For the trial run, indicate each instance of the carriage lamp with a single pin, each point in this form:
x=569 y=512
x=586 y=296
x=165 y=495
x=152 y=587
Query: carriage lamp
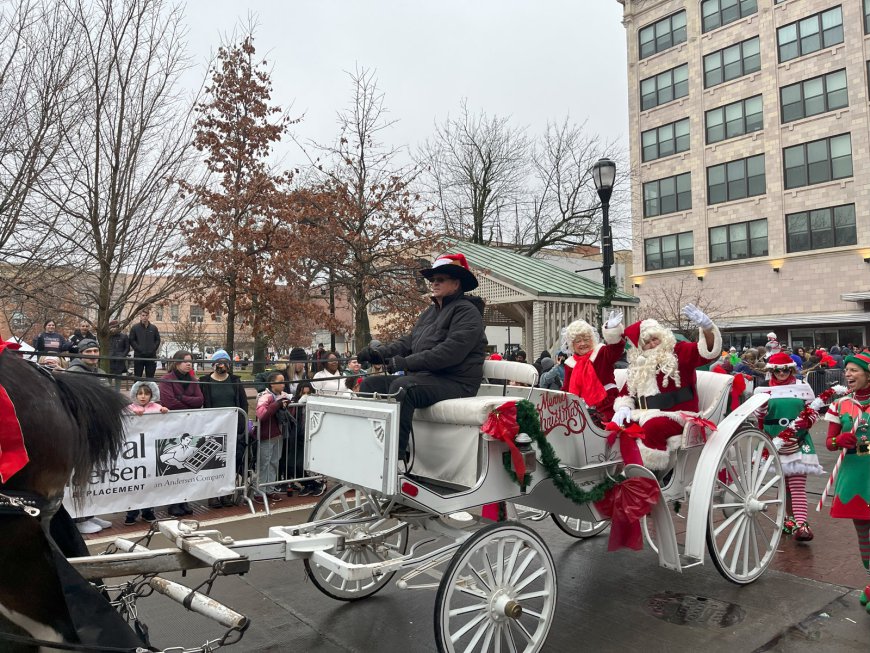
x=524 y=444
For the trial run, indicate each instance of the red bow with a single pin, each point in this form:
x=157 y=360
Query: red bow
x=625 y=503
x=13 y=453
x=502 y=425
x=628 y=436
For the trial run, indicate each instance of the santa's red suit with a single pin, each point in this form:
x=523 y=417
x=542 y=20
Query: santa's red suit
x=591 y=377
x=661 y=385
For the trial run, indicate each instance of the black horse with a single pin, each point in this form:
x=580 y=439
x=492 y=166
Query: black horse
x=71 y=424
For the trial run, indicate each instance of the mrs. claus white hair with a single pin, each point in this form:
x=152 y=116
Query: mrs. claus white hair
x=579 y=328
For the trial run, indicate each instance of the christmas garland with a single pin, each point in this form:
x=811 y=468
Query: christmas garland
x=529 y=422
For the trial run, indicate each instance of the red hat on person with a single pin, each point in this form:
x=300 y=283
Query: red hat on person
x=453 y=265
x=640 y=332
x=495 y=357
x=780 y=360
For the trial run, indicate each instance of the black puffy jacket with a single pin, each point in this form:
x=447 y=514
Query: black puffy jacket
x=447 y=341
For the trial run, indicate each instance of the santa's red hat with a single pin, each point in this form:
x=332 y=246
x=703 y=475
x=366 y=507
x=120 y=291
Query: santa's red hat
x=643 y=330
x=453 y=265
x=780 y=360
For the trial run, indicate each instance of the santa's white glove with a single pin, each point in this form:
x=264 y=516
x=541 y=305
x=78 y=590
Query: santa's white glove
x=613 y=320
x=697 y=316
x=622 y=416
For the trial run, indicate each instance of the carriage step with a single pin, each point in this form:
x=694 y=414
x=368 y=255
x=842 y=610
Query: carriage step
x=441 y=488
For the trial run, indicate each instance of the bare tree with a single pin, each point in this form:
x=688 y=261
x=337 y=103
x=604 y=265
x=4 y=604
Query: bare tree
x=110 y=208
x=477 y=168
x=370 y=224
x=565 y=208
x=664 y=302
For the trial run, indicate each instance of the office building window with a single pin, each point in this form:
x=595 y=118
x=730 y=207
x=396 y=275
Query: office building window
x=735 y=119
x=813 y=33
x=735 y=180
x=667 y=195
x=732 y=62
x=173 y=312
x=663 y=34
x=715 y=13
x=818 y=161
x=158 y=313
x=197 y=314
x=673 y=251
x=830 y=227
x=813 y=96
x=867 y=16
x=665 y=140
x=735 y=241
x=664 y=87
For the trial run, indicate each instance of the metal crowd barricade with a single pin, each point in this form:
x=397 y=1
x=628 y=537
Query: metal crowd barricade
x=822 y=379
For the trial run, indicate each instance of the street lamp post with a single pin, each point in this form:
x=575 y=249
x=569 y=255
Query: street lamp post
x=604 y=174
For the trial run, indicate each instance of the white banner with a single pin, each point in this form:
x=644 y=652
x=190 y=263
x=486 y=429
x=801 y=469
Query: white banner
x=168 y=458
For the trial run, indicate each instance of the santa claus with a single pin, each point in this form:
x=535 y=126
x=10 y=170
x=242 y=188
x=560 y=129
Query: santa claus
x=660 y=391
x=589 y=372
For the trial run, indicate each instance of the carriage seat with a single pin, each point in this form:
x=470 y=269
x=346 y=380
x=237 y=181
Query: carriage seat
x=473 y=411
x=714 y=393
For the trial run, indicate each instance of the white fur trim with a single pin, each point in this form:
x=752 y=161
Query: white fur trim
x=614 y=335
x=675 y=442
x=654 y=458
x=778 y=442
x=716 y=349
x=595 y=351
x=799 y=468
x=623 y=402
x=642 y=416
x=570 y=361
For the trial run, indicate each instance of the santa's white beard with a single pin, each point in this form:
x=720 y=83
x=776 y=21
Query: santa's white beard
x=644 y=366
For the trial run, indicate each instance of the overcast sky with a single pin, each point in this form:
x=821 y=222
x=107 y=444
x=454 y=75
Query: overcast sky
x=532 y=60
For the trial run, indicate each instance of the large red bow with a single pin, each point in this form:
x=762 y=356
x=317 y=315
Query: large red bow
x=626 y=503
x=13 y=453
x=502 y=425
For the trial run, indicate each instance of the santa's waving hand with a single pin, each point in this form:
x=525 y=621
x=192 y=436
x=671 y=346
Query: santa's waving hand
x=660 y=389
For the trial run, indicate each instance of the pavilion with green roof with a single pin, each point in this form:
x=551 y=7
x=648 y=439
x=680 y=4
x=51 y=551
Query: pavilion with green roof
x=534 y=295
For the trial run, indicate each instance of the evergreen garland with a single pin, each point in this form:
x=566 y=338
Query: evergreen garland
x=529 y=422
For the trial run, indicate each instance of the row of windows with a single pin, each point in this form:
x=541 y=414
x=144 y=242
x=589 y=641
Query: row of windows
x=816 y=162
x=665 y=140
x=808 y=230
x=715 y=13
x=797 y=39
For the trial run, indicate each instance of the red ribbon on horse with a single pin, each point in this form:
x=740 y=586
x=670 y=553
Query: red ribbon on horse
x=13 y=453
x=631 y=499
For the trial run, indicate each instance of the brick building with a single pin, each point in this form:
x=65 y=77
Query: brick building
x=749 y=131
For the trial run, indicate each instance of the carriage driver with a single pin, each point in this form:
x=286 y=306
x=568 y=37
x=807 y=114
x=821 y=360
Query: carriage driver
x=442 y=357
x=661 y=385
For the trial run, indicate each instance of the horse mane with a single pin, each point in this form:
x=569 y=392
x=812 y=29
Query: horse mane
x=97 y=411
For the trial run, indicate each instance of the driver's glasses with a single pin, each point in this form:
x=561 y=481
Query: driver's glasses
x=439 y=279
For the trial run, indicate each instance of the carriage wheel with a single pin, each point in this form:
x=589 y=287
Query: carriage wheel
x=747 y=509
x=344 y=502
x=579 y=528
x=498 y=593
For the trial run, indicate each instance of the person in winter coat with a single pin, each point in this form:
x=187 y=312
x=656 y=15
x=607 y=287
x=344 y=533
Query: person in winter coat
x=179 y=390
x=549 y=375
x=223 y=389
x=119 y=348
x=274 y=418
x=330 y=380
x=83 y=332
x=88 y=360
x=442 y=357
x=50 y=340
x=145 y=397
x=145 y=341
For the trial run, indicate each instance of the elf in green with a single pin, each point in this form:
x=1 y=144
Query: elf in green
x=849 y=431
x=787 y=419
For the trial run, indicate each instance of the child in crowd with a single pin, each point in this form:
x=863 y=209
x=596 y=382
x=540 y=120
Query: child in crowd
x=145 y=399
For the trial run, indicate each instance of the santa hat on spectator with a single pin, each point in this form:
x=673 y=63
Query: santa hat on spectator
x=780 y=360
x=453 y=265
x=495 y=357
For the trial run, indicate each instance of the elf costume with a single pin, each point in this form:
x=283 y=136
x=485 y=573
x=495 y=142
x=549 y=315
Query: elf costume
x=849 y=431
x=787 y=419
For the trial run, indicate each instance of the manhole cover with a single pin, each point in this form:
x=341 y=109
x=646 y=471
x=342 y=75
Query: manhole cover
x=685 y=609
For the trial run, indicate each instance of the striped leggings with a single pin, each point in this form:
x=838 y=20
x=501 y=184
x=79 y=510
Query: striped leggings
x=862 y=527
x=797 y=490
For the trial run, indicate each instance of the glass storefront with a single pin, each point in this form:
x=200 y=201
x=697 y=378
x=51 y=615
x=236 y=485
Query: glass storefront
x=807 y=338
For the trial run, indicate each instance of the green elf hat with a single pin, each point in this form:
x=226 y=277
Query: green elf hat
x=862 y=360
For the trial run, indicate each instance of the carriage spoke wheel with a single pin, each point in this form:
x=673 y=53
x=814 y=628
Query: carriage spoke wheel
x=747 y=509
x=579 y=528
x=344 y=502
x=497 y=594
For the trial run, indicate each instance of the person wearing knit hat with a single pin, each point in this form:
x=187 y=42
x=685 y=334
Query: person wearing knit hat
x=589 y=372
x=848 y=432
x=787 y=418
x=660 y=390
x=223 y=389
x=442 y=357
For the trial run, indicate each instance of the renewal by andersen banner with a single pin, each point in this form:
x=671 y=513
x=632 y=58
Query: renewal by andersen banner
x=168 y=458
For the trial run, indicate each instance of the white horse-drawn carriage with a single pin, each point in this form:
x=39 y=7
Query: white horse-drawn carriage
x=496 y=581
